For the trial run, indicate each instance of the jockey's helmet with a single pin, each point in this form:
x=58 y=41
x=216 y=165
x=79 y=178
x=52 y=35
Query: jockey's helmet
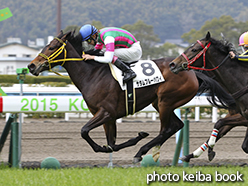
x=87 y=31
x=246 y=38
x=241 y=39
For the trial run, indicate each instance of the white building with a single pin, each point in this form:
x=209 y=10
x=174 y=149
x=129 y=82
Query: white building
x=181 y=46
x=15 y=55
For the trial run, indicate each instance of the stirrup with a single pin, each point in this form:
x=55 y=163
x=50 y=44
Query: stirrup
x=131 y=76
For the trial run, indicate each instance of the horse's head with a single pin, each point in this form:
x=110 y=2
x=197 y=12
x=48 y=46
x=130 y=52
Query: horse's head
x=190 y=56
x=51 y=55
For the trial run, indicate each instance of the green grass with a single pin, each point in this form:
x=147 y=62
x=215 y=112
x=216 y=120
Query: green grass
x=115 y=176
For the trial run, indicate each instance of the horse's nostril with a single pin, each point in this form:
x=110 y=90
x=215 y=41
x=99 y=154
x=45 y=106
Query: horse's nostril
x=172 y=64
x=30 y=66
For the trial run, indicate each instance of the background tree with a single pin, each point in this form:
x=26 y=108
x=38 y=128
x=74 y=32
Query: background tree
x=170 y=18
x=165 y=50
x=225 y=24
x=145 y=34
x=75 y=28
x=97 y=24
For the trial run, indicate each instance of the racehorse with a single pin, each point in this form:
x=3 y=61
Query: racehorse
x=106 y=100
x=211 y=55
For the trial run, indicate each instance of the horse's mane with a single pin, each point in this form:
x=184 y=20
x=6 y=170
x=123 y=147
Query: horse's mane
x=223 y=46
x=75 y=41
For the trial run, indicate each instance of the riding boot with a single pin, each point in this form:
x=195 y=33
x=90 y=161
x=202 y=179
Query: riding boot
x=128 y=72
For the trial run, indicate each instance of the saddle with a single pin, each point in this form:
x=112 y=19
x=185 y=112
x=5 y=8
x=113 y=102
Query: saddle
x=147 y=74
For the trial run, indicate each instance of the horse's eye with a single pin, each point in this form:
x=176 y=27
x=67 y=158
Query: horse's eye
x=193 y=50
x=51 y=48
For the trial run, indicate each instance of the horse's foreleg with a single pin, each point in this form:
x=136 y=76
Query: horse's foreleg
x=175 y=124
x=215 y=136
x=222 y=131
x=211 y=154
x=110 y=131
x=224 y=126
x=221 y=128
x=102 y=116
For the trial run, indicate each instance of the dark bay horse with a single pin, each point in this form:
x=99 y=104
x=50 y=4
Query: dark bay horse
x=106 y=100
x=209 y=54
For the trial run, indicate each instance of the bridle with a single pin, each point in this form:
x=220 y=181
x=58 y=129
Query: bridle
x=202 y=52
x=235 y=95
x=51 y=59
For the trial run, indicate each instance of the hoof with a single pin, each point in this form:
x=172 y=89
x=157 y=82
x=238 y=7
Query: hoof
x=143 y=134
x=137 y=160
x=184 y=159
x=211 y=155
x=108 y=149
x=156 y=153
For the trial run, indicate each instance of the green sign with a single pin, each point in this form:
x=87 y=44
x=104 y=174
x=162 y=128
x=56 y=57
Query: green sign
x=5 y=14
x=22 y=70
x=2 y=93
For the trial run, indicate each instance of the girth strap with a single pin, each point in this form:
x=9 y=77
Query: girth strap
x=130 y=98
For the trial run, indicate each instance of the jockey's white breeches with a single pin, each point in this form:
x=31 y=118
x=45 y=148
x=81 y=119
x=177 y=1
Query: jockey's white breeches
x=129 y=55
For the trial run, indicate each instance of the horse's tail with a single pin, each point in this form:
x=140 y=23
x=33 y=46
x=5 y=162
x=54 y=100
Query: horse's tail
x=217 y=96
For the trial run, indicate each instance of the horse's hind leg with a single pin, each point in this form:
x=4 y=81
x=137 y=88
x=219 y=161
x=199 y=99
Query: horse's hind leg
x=110 y=131
x=174 y=123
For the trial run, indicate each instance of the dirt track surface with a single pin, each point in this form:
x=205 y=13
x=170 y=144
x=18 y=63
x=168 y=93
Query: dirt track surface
x=61 y=139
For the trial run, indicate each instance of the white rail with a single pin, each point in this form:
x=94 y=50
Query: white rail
x=76 y=104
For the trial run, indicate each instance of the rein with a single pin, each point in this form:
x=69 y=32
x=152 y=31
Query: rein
x=235 y=95
x=240 y=93
x=202 y=52
x=51 y=59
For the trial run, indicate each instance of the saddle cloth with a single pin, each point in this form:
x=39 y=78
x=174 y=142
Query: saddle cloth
x=147 y=72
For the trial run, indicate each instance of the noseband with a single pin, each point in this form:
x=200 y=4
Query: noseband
x=202 y=52
x=51 y=59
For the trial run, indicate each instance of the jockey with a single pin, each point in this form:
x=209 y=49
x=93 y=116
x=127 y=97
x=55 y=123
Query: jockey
x=120 y=45
x=243 y=41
